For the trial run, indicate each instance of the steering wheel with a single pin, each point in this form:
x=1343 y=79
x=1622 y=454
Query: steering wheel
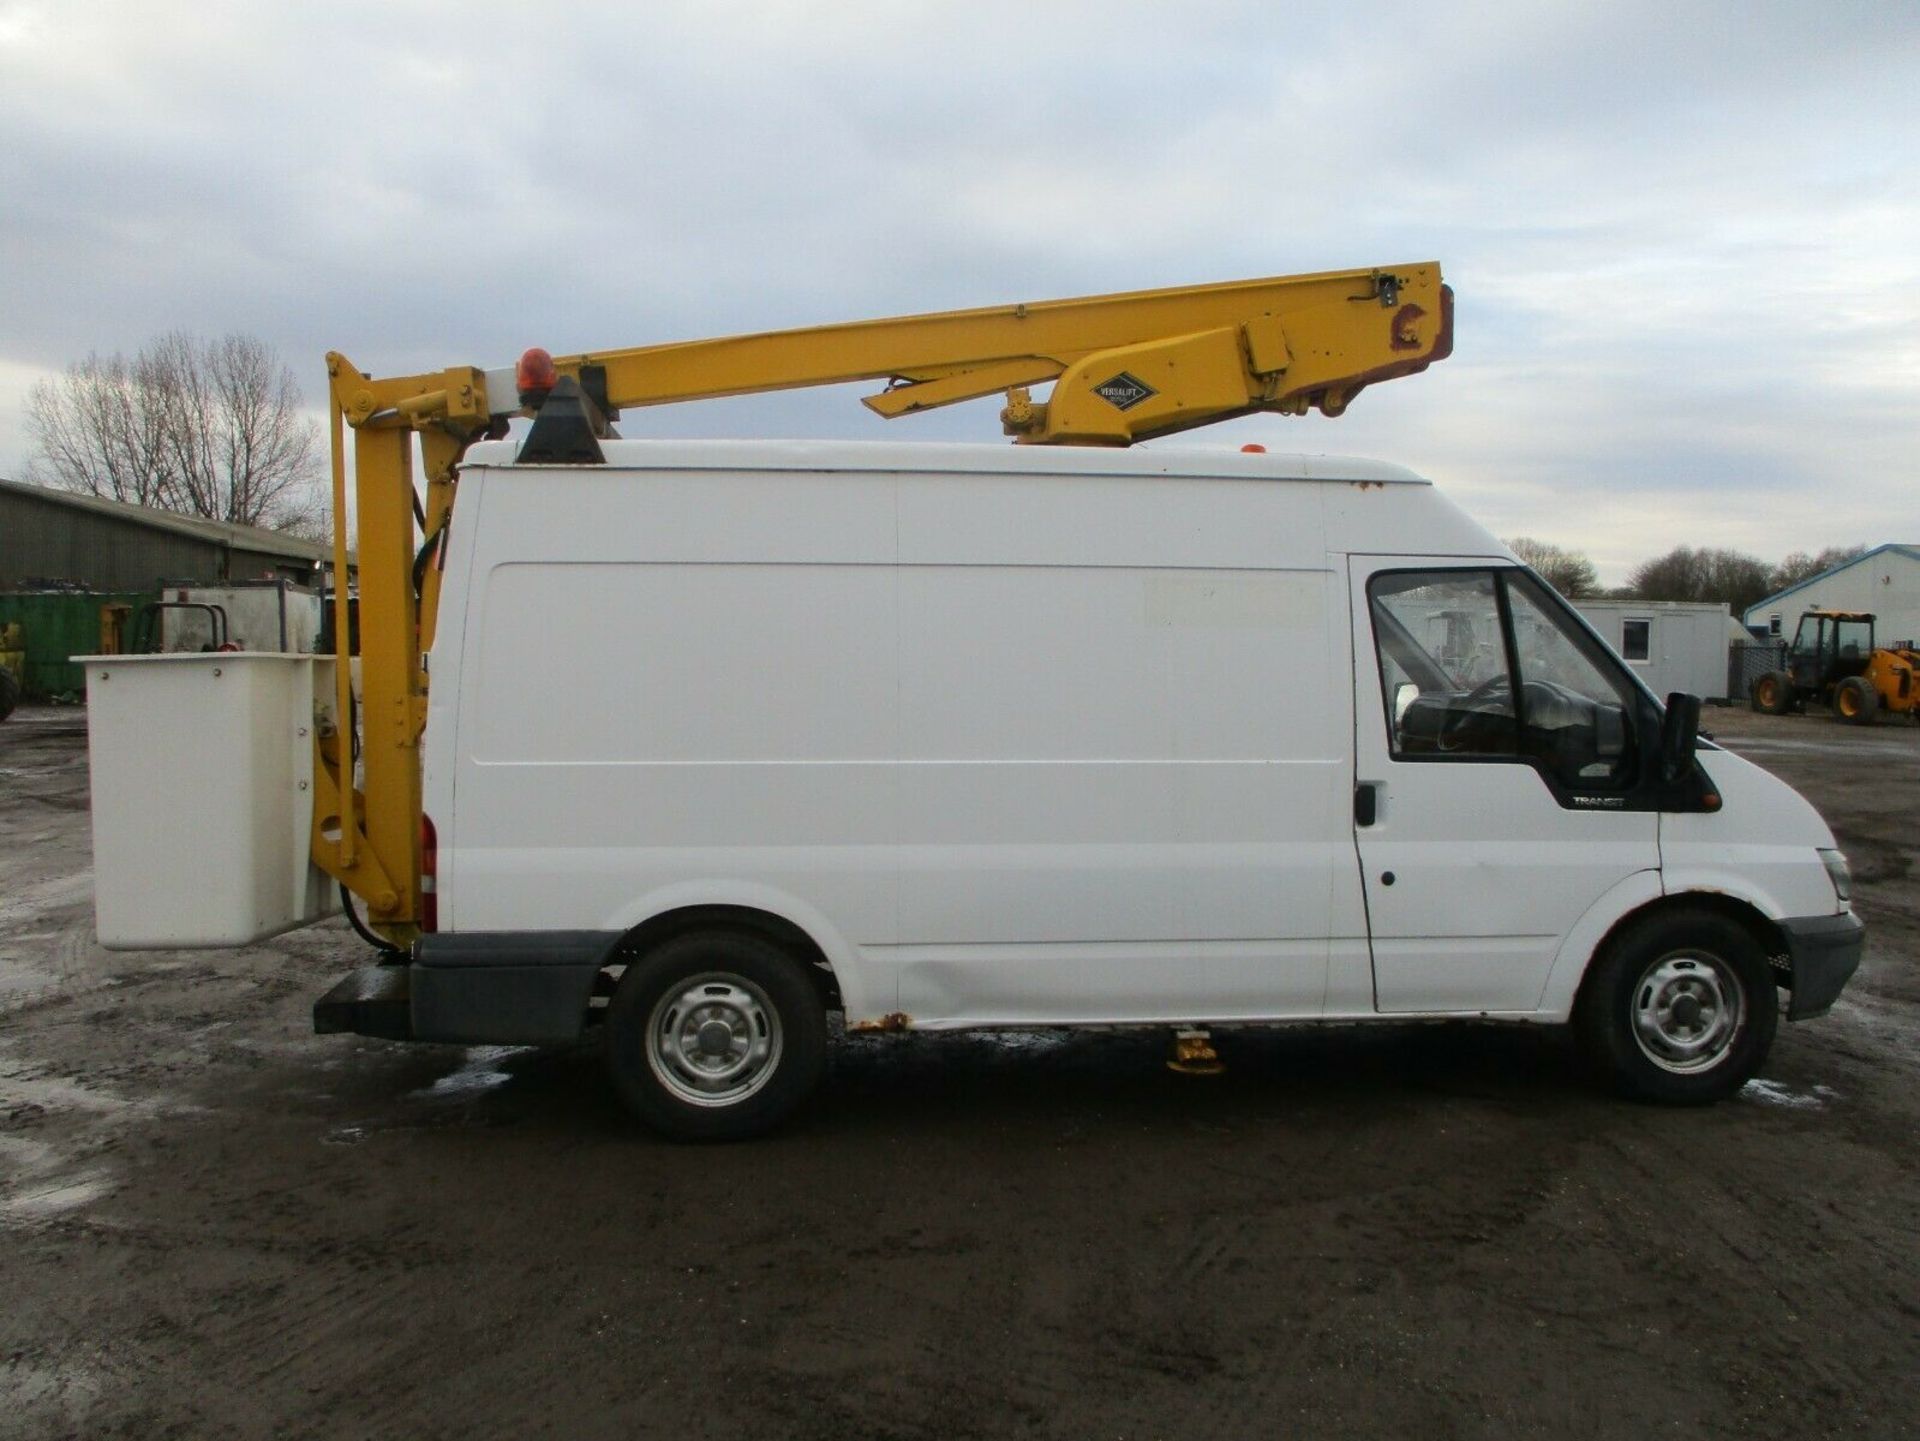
x=1458 y=716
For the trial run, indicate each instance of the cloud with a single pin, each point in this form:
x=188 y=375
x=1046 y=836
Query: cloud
x=1681 y=237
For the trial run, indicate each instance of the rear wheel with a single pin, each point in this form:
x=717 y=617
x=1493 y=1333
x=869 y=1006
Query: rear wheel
x=1680 y=1009
x=1855 y=700
x=715 y=1036
x=1773 y=693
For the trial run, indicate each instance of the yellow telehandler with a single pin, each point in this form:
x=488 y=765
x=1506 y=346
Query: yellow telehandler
x=1833 y=660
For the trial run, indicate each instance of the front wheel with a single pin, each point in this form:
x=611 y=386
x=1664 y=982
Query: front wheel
x=1680 y=1009
x=715 y=1036
x=1855 y=700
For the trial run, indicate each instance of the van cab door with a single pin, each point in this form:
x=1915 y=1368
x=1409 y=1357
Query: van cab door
x=1497 y=749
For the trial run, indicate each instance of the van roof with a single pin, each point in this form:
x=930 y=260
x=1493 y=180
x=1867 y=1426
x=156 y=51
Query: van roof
x=935 y=457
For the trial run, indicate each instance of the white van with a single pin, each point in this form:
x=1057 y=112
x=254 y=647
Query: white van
x=724 y=736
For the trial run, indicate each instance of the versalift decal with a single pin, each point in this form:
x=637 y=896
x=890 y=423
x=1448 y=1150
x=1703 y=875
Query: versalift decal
x=1124 y=391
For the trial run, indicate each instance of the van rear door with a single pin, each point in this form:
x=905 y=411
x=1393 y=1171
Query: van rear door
x=1494 y=756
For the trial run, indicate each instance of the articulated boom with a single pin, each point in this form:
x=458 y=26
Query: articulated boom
x=1123 y=368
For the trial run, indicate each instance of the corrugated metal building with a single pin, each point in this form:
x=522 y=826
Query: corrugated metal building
x=54 y=536
x=1884 y=581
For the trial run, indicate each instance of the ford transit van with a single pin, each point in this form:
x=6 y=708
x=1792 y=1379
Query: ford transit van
x=726 y=736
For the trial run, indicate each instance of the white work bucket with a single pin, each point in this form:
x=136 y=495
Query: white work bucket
x=202 y=769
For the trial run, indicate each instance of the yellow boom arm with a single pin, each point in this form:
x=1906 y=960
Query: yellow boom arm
x=1123 y=368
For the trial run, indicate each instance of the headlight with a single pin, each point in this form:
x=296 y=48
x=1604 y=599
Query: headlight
x=1839 y=874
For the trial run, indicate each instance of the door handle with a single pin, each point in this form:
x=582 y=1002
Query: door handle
x=1366 y=803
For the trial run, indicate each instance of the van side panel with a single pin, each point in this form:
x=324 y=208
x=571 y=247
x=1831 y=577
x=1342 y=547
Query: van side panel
x=1040 y=748
x=1139 y=758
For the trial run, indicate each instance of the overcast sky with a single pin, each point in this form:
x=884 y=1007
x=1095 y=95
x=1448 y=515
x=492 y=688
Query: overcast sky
x=1685 y=237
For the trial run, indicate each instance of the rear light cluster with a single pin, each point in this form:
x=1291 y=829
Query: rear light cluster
x=429 y=876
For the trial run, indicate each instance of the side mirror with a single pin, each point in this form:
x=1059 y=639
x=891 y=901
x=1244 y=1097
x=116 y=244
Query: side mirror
x=1679 y=730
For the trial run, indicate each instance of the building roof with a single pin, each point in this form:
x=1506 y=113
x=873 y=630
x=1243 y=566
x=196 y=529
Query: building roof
x=1649 y=606
x=251 y=538
x=1911 y=552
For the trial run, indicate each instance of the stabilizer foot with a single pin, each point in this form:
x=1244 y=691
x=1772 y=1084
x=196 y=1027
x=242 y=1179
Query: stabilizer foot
x=1194 y=1055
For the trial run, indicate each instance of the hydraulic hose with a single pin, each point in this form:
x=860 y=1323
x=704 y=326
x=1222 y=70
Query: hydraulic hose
x=387 y=949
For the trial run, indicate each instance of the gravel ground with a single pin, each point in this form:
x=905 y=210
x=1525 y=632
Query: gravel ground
x=214 y=1223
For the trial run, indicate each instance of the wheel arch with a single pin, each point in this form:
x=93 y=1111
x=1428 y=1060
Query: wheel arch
x=1767 y=935
x=1630 y=902
x=796 y=928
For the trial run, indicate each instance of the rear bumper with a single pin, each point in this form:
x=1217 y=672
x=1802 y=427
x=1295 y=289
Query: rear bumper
x=369 y=1002
x=489 y=988
x=1824 y=952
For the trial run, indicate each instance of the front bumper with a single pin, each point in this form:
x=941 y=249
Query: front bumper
x=1824 y=952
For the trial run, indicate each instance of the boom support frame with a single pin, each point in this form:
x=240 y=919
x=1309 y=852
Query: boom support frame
x=1124 y=367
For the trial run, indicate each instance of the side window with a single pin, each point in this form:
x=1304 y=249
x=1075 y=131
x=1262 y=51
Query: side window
x=1573 y=714
x=1443 y=664
x=1449 y=643
x=1635 y=638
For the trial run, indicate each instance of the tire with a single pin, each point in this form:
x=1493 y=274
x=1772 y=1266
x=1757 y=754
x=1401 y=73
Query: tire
x=715 y=1036
x=1773 y=693
x=9 y=692
x=1855 y=701
x=1636 y=1025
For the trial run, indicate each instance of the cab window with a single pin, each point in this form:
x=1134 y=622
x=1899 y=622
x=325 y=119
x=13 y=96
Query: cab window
x=1443 y=664
x=1451 y=645
x=1856 y=639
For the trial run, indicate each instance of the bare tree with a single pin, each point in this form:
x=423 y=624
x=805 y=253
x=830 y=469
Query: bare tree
x=1684 y=573
x=1567 y=571
x=1800 y=566
x=96 y=435
x=211 y=428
